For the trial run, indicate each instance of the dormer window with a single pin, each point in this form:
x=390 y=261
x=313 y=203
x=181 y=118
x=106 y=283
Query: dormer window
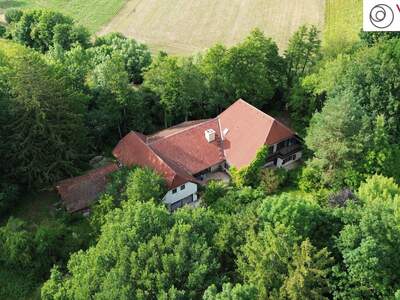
x=183 y=187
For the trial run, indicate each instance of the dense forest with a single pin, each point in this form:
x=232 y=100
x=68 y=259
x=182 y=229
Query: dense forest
x=327 y=230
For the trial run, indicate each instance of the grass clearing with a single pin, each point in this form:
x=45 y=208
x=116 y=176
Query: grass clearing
x=187 y=26
x=92 y=14
x=343 y=22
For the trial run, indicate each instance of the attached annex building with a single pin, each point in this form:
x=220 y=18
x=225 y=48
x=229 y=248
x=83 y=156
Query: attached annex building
x=189 y=154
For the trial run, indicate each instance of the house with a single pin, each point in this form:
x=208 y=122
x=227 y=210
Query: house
x=189 y=154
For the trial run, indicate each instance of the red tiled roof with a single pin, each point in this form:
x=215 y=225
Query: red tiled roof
x=174 y=129
x=248 y=130
x=189 y=148
x=79 y=192
x=132 y=150
x=181 y=151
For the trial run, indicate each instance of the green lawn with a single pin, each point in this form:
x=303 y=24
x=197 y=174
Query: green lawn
x=343 y=22
x=93 y=14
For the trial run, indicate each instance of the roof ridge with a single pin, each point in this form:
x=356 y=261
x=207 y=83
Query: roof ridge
x=257 y=109
x=275 y=120
x=158 y=156
x=222 y=139
x=183 y=130
x=269 y=131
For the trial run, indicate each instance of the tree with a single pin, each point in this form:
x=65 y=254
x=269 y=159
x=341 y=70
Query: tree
x=44 y=138
x=272 y=261
x=272 y=179
x=301 y=57
x=307 y=219
x=136 y=56
x=369 y=243
x=381 y=154
x=143 y=252
x=302 y=54
x=334 y=138
x=42 y=29
x=308 y=273
x=372 y=38
x=213 y=192
x=116 y=108
x=254 y=69
x=144 y=185
x=179 y=84
x=231 y=292
x=361 y=75
x=12 y=15
x=213 y=66
x=15 y=245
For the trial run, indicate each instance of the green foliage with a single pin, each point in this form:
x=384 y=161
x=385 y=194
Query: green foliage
x=179 y=84
x=13 y=15
x=308 y=273
x=133 y=185
x=301 y=57
x=333 y=136
x=381 y=154
x=16 y=249
x=231 y=292
x=136 y=56
x=213 y=192
x=272 y=179
x=372 y=38
x=361 y=75
x=145 y=185
x=44 y=137
x=2 y=31
x=302 y=54
x=278 y=266
x=251 y=174
x=252 y=70
x=27 y=254
x=42 y=29
x=143 y=253
x=369 y=243
x=307 y=219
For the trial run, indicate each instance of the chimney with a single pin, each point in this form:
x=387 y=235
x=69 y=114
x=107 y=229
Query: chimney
x=210 y=135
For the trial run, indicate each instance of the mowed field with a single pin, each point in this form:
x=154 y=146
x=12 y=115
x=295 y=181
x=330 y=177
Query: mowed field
x=187 y=26
x=343 y=22
x=91 y=13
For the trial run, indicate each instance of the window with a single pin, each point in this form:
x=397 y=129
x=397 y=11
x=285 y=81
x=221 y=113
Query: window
x=183 y=187
x=174 y=191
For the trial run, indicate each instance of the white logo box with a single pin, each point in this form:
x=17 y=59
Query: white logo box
x=381 y=15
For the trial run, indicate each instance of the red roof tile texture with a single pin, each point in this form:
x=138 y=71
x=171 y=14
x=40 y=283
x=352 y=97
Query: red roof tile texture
x=190 y=149
x=179 y=152
x=79 y=192
x=132 y=150
x=247 y=130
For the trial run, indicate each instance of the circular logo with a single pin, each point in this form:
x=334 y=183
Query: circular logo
x=381 y=16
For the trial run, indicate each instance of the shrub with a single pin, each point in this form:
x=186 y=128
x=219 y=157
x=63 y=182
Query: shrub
x=2 y=31
x=272 y=179
x=12 y=15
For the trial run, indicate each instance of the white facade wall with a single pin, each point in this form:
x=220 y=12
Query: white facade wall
x=190 y=189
